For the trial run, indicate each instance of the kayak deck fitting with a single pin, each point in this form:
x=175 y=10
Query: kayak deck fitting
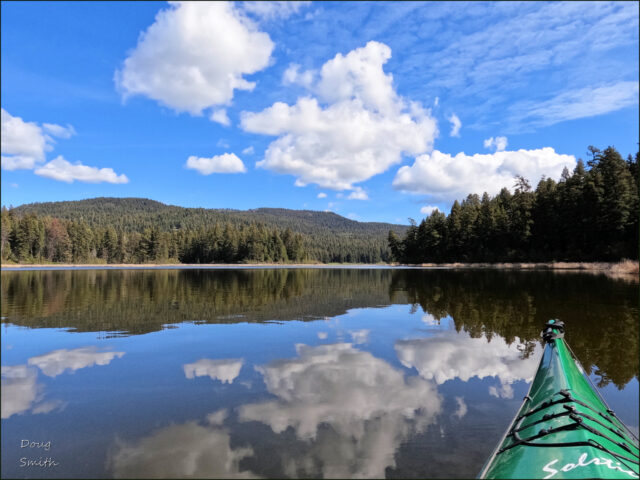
x=564 y=429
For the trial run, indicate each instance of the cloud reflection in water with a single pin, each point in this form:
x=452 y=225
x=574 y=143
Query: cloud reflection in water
x=21 y=392
x=353 y=409
x=449 y=355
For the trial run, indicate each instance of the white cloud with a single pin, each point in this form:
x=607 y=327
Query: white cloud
x=358 y=194
x=248 y=151
x=448 y=178
x=189 y=450
x=356 y=128
x=428 y=209
x=436 y=101
x=451 y=355
x=369 y=406
x=56 y=362
x=64 y=171
x=574 y=104
x=225 y=163
x=455 y=125
x=292 y=76
x=273 y=9
x=225 y=370
x=23 y=143
x=322 y=195
x=194 y=56
x=323 y=335
x=220 y=116
x=58 y=130
x=499 y=143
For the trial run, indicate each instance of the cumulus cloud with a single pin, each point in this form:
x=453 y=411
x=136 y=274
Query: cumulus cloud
x=322 y=195
x=355 y=127
x=23 y=143
x=225 y=370
x=225 y=163
x=455 y=125
x=64 y=171
x=248 y=151
x=447 y=177
x=428 y=209
x=369 y=405
x=451 y=355
x=358 y=194
x=188 y=450
x=56 y=362
x=499 y=143
x=194 y=56
x=292 y=75
x=220 y=116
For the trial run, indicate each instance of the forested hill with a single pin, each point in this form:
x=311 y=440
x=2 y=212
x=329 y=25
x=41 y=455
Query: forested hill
x=136 y=214
x=196 y=235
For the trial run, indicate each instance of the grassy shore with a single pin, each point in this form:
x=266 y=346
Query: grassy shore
x=624 y=267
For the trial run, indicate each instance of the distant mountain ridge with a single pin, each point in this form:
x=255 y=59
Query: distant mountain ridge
x=328 y=236
x=99 y=211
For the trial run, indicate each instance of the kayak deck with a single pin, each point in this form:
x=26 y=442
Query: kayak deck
x=564 y=429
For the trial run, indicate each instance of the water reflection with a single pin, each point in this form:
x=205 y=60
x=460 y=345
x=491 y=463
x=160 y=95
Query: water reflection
x=224 y=370
x=21 y=391
x=189 y=450
x=421 y=385
x=54 y=363
x=449 y=355
x=352 y=409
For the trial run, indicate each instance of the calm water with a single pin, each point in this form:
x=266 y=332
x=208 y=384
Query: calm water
x=289 y=372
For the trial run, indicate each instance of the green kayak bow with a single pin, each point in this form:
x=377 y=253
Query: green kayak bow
x=564 y=429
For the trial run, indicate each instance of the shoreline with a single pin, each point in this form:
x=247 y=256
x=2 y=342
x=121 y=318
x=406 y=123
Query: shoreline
x=625 y=267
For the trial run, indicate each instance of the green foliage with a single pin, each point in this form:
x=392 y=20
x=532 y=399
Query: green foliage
x=590 y=215
x=113 y=230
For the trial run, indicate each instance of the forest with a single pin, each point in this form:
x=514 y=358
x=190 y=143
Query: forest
x=590 y=214
x=135 y=230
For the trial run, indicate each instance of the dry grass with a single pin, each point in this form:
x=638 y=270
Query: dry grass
x=625 y=269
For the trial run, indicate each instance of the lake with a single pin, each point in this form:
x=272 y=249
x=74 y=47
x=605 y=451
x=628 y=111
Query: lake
x=282 y=372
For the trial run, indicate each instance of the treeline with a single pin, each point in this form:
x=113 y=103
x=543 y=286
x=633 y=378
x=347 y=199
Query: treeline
x=197 y=235
x=32 y=238
x=588 y=215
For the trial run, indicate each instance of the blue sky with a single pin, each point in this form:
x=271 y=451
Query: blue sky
x=373 y=110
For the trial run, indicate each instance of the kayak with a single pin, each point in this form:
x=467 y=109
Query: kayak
x=564 y=428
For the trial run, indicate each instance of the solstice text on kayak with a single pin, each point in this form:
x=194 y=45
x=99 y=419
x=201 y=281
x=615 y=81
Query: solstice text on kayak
x=582 y=462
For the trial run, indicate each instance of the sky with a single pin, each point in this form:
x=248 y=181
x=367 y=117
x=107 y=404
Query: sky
x=377 y=111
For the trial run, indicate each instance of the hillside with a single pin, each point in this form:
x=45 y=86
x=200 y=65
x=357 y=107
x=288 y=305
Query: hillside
x=327 y=236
